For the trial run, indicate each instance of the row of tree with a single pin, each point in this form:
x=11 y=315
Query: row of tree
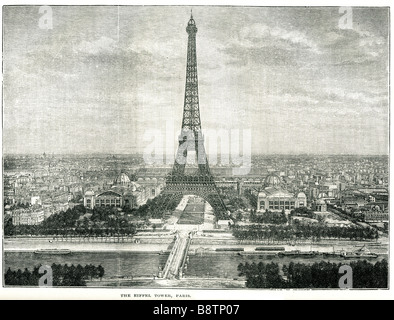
x=64 y=219
x=251 y=197
x=62 y=275
x=269 y=217
x=227 y=192
x=73 y=222
x=103 y=220
x=343 y=213
x=317 y=275
x=156 y=208
x=302 y=212
x=235 y=203
x=303 y=232
x=81 y=231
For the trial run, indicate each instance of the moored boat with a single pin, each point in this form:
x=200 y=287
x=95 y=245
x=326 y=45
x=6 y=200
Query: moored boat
x=229 y=249
x=352 y=255
x=360 y=253
x=298 y=253
x=269 y=248
x=332 y=254
x=52 y=251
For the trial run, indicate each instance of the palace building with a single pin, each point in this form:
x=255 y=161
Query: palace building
x=124 y=193
x=274 y=198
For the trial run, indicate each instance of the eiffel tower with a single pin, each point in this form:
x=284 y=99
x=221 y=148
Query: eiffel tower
x=199 y=180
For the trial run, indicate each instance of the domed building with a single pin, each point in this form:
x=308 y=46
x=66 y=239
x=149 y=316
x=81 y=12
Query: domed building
x=107 y=198
x=122 y=179
x=320 y=205
x=272 y=180
x=124 y=192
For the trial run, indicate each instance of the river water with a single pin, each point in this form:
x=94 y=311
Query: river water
x=131 y=264
x=115 y=264
x=225 y=265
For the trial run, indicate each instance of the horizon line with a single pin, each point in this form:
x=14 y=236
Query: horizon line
x=257 y=153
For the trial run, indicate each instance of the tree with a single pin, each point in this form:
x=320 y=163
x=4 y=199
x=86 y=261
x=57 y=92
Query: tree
x=9 y=228
x=10 y=277
x=100 y=271
x=239 y=216
x=273 y=279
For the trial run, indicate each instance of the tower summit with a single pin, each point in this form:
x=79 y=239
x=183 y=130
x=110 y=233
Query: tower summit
x=191 y=26
x=191 y=141
x=191 y=113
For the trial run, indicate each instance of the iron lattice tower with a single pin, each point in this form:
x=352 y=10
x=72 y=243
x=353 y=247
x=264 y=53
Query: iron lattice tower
x=200 y=182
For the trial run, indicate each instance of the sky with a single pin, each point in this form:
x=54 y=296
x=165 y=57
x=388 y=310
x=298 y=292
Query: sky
x=103 y=79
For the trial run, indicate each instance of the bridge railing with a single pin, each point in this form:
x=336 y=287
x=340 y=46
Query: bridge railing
x=171 y=257
x=184 y=259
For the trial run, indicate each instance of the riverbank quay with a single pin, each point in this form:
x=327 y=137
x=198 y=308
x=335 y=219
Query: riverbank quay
x=163 y=243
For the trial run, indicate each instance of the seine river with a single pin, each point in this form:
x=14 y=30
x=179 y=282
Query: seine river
x=115 y=264
x=225 y=265
x=131 y=264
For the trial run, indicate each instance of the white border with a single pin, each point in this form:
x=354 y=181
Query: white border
x=243 y=294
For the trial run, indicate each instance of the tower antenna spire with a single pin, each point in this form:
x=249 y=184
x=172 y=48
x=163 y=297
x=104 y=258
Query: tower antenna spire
x=191 y=13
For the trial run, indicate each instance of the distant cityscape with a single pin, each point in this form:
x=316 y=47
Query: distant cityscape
x=36 y=186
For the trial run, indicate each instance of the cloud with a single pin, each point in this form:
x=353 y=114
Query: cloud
x=258 y=34
x=101 y=45
x=372 y=45
x=268 y=68
x=260 y=44
x=342 y=94
x=354 y=47
x=274 y=56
